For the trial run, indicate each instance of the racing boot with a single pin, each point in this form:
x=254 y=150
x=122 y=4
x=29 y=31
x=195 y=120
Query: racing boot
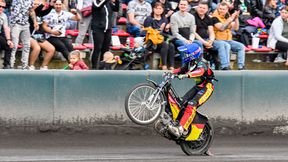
x=176 y=130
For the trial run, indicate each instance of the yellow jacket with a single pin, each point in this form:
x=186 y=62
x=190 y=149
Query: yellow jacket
x=225 y=34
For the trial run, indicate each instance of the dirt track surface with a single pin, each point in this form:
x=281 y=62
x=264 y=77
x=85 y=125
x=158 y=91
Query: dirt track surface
x=56 y=147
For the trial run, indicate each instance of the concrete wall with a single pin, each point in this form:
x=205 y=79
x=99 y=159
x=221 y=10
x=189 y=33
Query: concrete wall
x=243 y=100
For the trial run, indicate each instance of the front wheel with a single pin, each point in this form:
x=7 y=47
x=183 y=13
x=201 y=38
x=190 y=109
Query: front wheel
x=200 y=146
x=141 y=105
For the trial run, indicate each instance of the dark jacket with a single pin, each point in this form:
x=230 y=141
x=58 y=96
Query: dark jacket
x=39 y=13
x=256 y=8
x=269 y=14
x=101 y=13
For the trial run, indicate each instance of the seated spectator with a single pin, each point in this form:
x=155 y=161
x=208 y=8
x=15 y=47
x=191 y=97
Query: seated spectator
x=183 y=26
x=269 y=12
x=76 y=62
x=256 y=8
x=158 y=21
x=205 y=34
x=223 y=24
x=55 y=25
x=37 y=39
x=278 y=35
x=168 y=10
x=6 y=43
x=137 y=11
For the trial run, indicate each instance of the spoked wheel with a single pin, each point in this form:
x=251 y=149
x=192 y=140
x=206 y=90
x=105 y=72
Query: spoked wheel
x=200 y=146
x=141 y=105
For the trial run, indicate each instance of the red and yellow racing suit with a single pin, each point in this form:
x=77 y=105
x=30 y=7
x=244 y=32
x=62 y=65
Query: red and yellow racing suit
x=198 y=94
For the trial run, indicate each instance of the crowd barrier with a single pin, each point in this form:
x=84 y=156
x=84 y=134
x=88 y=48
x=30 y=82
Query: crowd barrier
x=77 y=97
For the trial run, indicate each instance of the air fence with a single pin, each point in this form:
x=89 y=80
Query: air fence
x=244 y=102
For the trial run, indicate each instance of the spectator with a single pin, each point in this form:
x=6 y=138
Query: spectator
x=278 y=35
x=38 y=40
x=223 y=24
x=109 y=61
x=101 y=26
x=5 y=42
x=137 y=11
x=168 y=10
x=55 y=25
x=183 y=26
x=158 y=21
x=269 y=12
x=76 y=63
x=19 y=23
x=85 y=22
x=205 y=34
x=256 y=8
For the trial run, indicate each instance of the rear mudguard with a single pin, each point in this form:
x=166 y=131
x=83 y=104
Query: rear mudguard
x=197 y=127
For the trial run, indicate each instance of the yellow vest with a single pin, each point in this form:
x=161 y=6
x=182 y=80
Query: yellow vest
x=222 y=35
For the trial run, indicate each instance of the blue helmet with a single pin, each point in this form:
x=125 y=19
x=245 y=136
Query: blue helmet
x=190 y=52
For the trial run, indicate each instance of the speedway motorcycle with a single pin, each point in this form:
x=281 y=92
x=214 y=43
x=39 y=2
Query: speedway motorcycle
x=159 y=104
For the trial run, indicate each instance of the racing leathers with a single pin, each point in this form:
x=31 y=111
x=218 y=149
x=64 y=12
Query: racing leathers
x=198 y=94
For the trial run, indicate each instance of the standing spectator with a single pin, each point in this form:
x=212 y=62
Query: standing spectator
x=5 y=42
x=278 y=35
x=38 y=40
x=85 y=22
x=269 y=12
x=205 y=34
x=55 y=25
x=19 y=23
x=158 y=21
x=183 y=26
x=223 y=24
x=137 y=12
x=101 y=26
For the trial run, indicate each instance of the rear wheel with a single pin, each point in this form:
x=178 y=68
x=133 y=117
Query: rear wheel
x=200 y=146
x=140 y=105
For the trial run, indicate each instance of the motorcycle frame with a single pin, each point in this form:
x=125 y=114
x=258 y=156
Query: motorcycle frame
x=173 y=105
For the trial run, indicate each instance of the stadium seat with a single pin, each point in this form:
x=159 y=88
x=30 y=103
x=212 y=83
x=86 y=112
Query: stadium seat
x=263 y=36
x=79 y=47
x=73 y=33
x=117 y=47
x=121 y=33
x=124 y=6
x=89 y=45
x=263 y=49
x=122 y=20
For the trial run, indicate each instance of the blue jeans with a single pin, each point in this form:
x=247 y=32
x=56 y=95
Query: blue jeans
x=133 y=30
x=223 y=49
x=240 y=49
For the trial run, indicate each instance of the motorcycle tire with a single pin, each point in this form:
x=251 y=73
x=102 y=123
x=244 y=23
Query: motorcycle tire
x=200 y=146
x=136 y=104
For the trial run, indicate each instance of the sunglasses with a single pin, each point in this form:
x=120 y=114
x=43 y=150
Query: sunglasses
x=2 y=6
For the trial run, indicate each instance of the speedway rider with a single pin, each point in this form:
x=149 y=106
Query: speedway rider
x=193 y=67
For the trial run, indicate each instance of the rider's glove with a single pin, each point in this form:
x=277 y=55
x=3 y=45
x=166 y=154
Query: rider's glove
x=181 y=76
x=176 y=71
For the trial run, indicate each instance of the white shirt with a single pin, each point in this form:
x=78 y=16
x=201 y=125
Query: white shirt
x=57 y=21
